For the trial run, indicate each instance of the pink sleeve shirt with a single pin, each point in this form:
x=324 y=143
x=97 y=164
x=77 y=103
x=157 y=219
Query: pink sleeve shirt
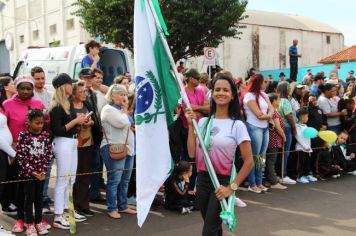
x=16 y=112
x=195 y=98
x=226 y=135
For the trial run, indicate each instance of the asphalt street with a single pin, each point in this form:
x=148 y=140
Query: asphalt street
x=324 y=208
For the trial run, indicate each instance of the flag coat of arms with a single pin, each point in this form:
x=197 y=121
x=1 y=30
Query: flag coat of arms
x=157 y=96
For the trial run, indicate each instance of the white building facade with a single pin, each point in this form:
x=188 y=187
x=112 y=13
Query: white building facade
x=43 y=23
x=263 y=45
x=266 y=39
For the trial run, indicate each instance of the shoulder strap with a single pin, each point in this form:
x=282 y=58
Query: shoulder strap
x=127 y=135
x=264 y=97
x=106 y=137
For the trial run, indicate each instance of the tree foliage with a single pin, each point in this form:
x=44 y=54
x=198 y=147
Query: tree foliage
x=192 y=24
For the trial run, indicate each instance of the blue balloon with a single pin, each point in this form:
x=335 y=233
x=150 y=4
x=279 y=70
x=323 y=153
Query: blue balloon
x=310 y=132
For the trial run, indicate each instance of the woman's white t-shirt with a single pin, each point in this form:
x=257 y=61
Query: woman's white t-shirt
x=225 y=136
x=328 y=105
x=251 y=118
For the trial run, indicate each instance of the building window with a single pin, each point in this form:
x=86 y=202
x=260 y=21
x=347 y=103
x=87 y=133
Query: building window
x=35 y=34
x=70 y=24
x=22 y=38
x=52 y=29
x=328 y=39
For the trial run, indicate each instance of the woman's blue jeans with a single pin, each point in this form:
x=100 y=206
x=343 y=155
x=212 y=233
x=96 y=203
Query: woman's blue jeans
x=287 y=144
x=259 y=142
x=119 y=174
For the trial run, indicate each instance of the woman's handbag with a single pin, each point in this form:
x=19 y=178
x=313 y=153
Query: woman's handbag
x=118 y=151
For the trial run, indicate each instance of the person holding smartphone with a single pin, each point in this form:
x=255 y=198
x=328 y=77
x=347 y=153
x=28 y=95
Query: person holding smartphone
x=85 y=150
x=96 y=182
x=64 y=127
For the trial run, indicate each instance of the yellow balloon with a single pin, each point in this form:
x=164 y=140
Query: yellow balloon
x=328 y=136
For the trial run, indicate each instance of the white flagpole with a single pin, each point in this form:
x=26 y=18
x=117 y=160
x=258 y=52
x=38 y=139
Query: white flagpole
x=185 y=99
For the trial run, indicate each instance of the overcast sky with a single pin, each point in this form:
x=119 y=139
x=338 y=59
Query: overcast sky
x=340 y=14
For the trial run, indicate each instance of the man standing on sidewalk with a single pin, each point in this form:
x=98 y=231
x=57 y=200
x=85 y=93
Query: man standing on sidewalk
x=293 y=60
x=45 y=96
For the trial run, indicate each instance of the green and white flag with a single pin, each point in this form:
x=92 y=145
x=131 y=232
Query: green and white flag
x=157 y=96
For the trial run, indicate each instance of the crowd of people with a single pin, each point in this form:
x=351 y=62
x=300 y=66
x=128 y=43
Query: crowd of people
x=277 y=117
x=73 y=125
x=256 y=124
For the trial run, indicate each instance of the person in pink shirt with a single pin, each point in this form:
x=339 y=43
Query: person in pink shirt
x=17 y=107
x=201 y=107
x=203 y=82
x=196 y=96
x=15 y=110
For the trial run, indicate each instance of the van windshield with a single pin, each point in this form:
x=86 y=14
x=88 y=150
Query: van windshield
x=113 y=63
x=77 y=69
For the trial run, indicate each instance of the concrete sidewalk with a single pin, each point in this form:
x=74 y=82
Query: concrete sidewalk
x=324 y=208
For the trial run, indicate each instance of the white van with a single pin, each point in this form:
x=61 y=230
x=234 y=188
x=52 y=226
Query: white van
x=57 y=60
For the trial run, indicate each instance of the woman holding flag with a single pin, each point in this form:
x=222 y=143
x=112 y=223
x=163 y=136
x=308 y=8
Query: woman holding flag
x=223 y=132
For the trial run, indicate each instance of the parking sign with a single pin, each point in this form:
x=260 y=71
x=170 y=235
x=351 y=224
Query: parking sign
x=209 y=56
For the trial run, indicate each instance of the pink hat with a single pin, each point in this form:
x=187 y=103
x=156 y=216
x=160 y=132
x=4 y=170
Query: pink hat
x=24 y=78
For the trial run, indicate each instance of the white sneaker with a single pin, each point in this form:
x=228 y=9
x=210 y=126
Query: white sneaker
x=334 y=176
x=78 y=217
x=254 y=189
x=11 y=210
x=338 y=175
x=47 y=210
x=312 y=178
x=303 y=180
x=60 y=222
x=287 y=180
x=239 y=202
x=185 y=210
x=354 y=172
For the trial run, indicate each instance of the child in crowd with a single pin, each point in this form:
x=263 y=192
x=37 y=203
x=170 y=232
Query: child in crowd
x=317 y=120
x=176 y=188
x=343 y=155
x=91 y=60
x=277 y=139
x=303 y=147
x=348 y=121
x=33 y=154
x=325 y=165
